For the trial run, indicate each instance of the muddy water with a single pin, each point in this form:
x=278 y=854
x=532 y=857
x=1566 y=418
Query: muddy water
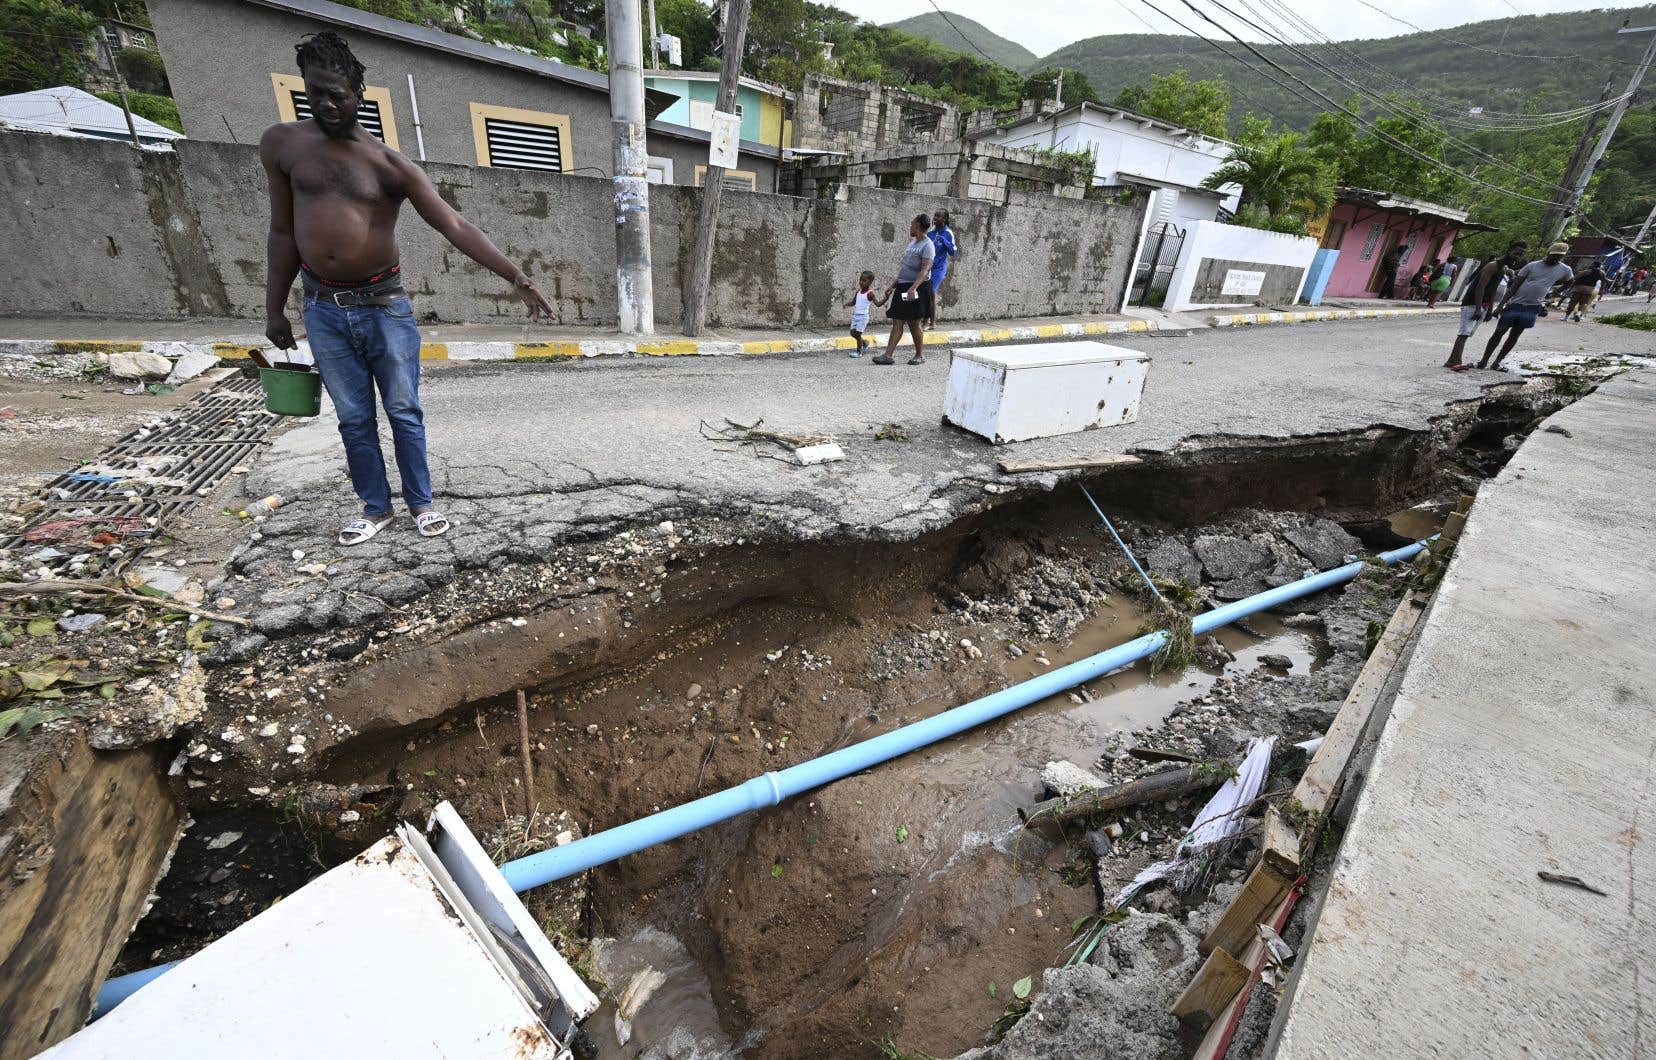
x=1421 y=521
x=875 y=935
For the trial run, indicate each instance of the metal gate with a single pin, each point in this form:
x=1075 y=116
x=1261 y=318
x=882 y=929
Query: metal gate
x=1162 y=243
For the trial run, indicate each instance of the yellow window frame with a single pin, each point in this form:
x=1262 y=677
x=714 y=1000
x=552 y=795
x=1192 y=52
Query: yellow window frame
x=480 y=132
x=285 y=85
x=740 y=174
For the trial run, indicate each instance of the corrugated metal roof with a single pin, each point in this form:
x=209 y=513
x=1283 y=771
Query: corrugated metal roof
x=66 y=110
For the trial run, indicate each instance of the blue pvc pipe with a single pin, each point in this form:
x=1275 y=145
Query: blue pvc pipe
x=769 y=789
x=603 y=847
x=120 y=988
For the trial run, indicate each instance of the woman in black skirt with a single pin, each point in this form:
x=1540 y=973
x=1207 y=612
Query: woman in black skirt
x=913 y=302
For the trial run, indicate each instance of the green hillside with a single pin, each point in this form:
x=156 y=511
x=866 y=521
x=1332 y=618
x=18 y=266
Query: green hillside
x=963 y=34
x=1458 y=64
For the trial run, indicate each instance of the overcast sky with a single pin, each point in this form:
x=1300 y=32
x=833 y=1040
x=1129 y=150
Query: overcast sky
x=1044 y=26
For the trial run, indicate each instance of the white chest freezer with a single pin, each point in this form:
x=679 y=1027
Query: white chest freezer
x=1010 y=393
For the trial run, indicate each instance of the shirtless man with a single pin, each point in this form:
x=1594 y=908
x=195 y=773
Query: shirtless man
x=334 y=196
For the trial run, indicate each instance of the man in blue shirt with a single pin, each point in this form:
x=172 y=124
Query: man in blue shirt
x=942 y=237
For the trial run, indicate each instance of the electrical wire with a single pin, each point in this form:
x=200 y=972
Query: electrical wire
x=1381 y=100
x=1380 y=134
x=1456 y=113
x=962 y=33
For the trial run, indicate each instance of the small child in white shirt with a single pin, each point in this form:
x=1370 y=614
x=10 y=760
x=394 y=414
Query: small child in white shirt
x=859 y=305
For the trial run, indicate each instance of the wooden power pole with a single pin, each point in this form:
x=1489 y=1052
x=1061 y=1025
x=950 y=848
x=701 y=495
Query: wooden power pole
x=701 y=261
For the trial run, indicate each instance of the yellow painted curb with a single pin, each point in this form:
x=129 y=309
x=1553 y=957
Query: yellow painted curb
x=543 y=350
x=1049 y=331
x=232 y=351
x=433 y=351
x=772 y=346
x=670 y=347
x=97 y=346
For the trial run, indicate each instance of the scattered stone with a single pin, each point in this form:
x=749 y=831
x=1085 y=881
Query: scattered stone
x=129 y=365
x=693 y=691
x=1276 y=662
x=1064 y=779
x=192 y=361
x=1225 y=557
x=1173 y=560
x=222 y=840
x=1324 y=542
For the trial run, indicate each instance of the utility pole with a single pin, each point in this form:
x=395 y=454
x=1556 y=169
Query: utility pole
x=1579 y=187
x=1638 y=240
x=655 y=40
x=634 y=287
x=1559 y=207
x=120 y=87
x=701 y=261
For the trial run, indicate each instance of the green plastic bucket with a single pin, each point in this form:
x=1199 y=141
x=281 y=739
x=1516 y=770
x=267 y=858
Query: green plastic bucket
x=289 y=393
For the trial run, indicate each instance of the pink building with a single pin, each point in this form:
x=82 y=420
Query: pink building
x=1365 y=225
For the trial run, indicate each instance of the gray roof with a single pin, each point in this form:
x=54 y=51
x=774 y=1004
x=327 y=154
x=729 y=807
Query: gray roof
x=465 y=47
x=424 y=37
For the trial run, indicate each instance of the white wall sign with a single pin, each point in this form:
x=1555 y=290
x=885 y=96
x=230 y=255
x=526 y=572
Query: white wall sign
x=1244 y=282
x=726 y=137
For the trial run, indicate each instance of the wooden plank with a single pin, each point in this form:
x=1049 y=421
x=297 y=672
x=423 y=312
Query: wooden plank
x=1453 y=525
x=1157 y=787
x=1280 y=844
x=1216 y=985
x=1262 y=893
x=1316 y=789
x=1013 y=467
x=1217 y=1040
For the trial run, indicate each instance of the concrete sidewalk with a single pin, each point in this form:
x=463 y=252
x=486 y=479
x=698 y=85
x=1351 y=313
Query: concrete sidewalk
x=232 y=339
x=1521 y=741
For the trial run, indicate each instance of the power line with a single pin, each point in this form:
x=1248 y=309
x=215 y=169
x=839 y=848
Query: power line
x=1493 y=51
x=1414 y=120
x=1363 y=122
x=1455 y=115
x=962 y=32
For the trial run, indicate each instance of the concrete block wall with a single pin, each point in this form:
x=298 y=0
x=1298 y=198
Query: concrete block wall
x=160 y=235
x=838 y=115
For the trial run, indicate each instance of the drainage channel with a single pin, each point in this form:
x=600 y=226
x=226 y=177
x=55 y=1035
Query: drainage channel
x=135 y=489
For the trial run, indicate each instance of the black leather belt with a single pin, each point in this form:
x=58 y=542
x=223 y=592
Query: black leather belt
x=351 y=297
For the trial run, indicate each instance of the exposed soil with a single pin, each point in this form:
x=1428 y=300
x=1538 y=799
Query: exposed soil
x=670 y=662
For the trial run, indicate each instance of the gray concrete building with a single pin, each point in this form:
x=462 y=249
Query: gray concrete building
x=839 y=115
x=434 y=96
x=961 y=169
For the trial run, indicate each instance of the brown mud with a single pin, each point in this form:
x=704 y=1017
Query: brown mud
x=668 y=663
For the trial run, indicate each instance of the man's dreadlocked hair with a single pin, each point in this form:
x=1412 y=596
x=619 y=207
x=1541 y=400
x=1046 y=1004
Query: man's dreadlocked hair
x=328 y=51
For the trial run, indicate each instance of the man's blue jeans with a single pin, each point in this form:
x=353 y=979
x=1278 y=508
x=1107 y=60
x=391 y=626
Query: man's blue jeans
x=357 y=349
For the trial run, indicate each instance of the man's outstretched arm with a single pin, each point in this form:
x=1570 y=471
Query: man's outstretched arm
x=281 y=252
x=468 y=238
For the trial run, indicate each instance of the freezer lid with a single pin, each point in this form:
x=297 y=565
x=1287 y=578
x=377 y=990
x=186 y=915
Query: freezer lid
x=1050 y=355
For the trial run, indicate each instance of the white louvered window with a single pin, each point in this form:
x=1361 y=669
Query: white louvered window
x=368 y=114
x=524 y=145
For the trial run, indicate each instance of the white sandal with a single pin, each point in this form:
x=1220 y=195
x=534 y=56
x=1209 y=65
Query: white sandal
x=357 y=531
x=425 y=521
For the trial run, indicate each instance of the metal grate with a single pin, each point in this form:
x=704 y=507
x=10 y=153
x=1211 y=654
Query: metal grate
x=368 y=114
x=157 y=472
x=522 y=145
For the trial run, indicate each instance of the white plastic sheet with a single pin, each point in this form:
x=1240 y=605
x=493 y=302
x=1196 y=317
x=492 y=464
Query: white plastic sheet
x=1219 y=820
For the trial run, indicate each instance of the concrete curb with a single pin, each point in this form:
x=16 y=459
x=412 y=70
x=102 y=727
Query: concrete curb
x=1305 y=316
x=570 y=349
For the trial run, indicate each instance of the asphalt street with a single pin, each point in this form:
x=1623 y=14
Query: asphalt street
x=602 y=437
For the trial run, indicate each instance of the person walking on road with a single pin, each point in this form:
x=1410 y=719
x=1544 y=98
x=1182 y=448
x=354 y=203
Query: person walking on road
x=1524 y=301
x=335 y=192
x=943 y=240
x=861 y=300
x=1583 y=289
x=1482 y=292
x=913 y=302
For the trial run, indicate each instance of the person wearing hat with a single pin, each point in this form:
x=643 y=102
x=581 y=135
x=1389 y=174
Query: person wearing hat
x=1524 y=299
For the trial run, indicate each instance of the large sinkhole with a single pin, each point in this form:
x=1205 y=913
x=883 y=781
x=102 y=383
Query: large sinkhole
x=894 y=909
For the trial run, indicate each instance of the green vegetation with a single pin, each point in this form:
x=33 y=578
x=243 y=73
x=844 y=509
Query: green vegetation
x=1284 y=185
x=1200 y=105
x=1636 y=321
x=962 y=34
x=159 y=109
x=38 y=48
